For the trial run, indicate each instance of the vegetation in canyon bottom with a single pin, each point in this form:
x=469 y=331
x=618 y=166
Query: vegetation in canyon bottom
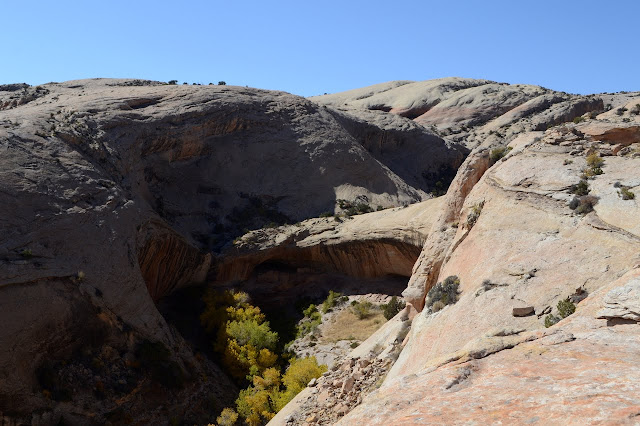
x=248 y=348
x=254 y=354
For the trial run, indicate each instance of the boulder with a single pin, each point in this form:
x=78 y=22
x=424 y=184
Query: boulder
x=523 y=311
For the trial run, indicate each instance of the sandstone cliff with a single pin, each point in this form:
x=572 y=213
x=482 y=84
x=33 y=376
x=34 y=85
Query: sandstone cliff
x=117 y=192
x=475 y=361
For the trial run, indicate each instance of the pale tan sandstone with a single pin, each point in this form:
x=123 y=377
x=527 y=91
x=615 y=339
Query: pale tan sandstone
x=457 y=366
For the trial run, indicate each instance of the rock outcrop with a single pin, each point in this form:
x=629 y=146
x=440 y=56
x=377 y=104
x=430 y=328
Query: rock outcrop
x=117 y=192
x=513 y=240
x=469 y=111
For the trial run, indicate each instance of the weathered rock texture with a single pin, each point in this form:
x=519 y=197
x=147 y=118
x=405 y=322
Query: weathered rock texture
x=370 y=245
x=473 y=361
x=467 y=110
x=114 y=193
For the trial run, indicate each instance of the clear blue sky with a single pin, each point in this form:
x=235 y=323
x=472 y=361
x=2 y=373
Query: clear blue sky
x=312 y=47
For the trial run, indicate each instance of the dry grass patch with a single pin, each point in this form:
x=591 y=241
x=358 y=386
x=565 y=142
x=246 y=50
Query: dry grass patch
x=346 y=326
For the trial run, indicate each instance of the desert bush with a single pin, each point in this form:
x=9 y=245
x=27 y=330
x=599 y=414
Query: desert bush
x=578 y=120
x=445 y=292
x=332 y=300
x=550 y=320
x=625 y=193
x=353 y=208
x=310 y=310
x=498 y=153
x=581 y=188
x=362 y=309
x=594 y=160
x=326 y=214
x=222 y=83
x=474 y=214
x=312 y=319
x=437 y=306
x=173 y=82
x=392 y=308
x=586 y=204
x=621 y=111
x=636 y=110
x=565 y=308
x=594 y=166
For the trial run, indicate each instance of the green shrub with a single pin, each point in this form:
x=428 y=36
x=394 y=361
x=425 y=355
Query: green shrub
x=173 y=82
x=581 y=188
x=445 y=292
x=362 y=310
x=474 y=214
x=353 y=208
x=392 y=308
x=550 y=320
x=626 y=194
x=310 y=322
x=621 y=111
x=498 y=153
x=565 y=308
x=326 y=214
x=222 y=83
x=594 y=165
x=26 y=253
x=592 y=171
x=310 y=310
x=332 y=300
x=578 y=120
x=636 y=110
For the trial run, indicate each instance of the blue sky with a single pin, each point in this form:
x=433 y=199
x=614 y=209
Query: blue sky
x=312 y=47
